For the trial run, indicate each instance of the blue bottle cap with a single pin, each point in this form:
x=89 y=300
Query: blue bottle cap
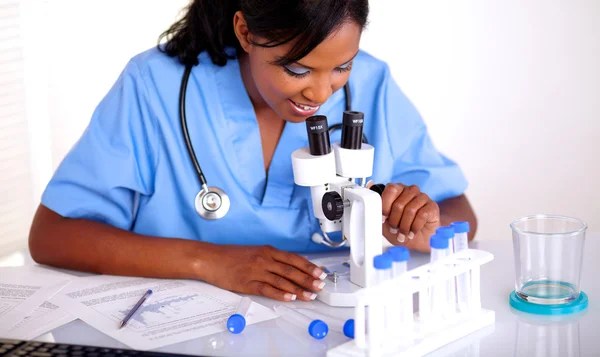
x=460 y=227
x=438 y=241
x=349 y=328
x=318 y=329
x=382 y=261
x=399 y=254
x=445 y=231
x=236 y=323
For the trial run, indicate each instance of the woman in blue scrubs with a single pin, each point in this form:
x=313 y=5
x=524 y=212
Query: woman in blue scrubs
x=122 y=200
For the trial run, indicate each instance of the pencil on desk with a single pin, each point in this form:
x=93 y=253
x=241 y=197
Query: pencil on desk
x=135 y=308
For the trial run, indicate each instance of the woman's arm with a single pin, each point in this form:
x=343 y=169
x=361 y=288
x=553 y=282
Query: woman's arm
x=90 y=246
x=458 y=209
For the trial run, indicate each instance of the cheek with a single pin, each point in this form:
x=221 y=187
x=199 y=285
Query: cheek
x=274 y=85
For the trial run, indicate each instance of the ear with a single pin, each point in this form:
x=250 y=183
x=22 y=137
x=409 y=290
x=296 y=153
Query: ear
x=240 y=28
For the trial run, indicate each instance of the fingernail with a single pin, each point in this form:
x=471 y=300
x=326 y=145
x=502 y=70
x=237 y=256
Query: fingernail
x=309 y=295
x=393 y=230
x=383 y=218
x=401 y=237
x=318 y=284
x=411 y=235
x=319 y=273
x=289 y=296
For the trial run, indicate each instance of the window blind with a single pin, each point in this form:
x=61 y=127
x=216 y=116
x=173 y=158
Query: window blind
x=16 y=185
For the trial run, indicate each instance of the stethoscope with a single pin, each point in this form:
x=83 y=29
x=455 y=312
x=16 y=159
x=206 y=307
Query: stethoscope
x=212 y=202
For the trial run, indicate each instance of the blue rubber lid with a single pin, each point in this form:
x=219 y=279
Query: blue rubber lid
x=318 y=329
x=445 y=231
x=579 y=304
x=382 y=261
x=349 y=328
x=236 y=323
x=399 y=254
x=438 y=241
x=460 y=227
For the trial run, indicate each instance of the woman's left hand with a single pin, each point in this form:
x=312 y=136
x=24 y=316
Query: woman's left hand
x=412 y=217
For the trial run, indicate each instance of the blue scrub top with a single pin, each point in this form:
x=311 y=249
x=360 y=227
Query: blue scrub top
x=130 y=168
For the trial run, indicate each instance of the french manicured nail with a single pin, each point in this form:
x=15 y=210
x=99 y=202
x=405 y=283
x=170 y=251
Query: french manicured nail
x=393 y=230
x=411 y=235
x=383 y=218
x=309 y=295
x=401 y=237
x=319 y=273
x=318 y=284
x=289 y=296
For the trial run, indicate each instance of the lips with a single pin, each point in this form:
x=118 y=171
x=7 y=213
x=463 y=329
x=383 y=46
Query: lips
x=302 y=109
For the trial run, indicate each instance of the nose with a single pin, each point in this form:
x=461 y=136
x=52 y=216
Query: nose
x=319 y=91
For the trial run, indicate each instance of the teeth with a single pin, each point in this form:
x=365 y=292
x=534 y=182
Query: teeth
x=305 y=107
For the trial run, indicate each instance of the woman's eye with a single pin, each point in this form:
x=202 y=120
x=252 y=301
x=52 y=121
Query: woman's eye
x=345 y=67
x=295 y=71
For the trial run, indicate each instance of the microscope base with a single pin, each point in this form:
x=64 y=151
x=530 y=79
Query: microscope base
x=338 y=290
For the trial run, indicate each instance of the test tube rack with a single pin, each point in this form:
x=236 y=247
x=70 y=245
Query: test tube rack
x=380 y=331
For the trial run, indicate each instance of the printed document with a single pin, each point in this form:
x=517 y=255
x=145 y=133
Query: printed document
x=44 y=318
x=23 y=290
x=178 y=310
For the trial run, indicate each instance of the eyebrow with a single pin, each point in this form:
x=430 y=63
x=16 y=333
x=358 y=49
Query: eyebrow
x=308 y=67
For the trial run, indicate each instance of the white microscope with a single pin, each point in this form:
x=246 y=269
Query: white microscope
x=340 y=204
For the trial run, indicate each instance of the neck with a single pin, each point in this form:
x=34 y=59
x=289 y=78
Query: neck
x=257 y=100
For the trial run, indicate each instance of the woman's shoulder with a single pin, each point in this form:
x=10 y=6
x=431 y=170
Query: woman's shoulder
x=368 y=66
x=151 y=61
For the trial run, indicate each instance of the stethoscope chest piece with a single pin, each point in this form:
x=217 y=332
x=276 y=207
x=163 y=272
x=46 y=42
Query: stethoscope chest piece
x=212 y=203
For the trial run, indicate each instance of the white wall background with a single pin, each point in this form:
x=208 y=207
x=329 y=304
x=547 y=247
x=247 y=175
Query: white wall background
x=509 y=88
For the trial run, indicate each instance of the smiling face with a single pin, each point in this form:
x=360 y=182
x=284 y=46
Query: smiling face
x=296 y=91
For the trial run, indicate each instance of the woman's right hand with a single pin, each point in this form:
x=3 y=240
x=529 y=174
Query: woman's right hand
x=264 y=271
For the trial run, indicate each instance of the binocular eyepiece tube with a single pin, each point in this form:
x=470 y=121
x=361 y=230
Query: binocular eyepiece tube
x=352 y=130
x=318 y=133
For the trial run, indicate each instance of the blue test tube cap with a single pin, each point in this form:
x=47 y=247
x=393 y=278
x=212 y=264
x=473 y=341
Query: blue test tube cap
x=382 y=261
x=399 y=254
x=445 y=231
x=438 y=241
x=349 y=328
x=461 y=227
x=318 y=329
x=236 y=323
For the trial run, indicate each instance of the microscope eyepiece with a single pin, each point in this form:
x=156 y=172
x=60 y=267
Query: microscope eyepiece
x=352 y=130
x=318 y=135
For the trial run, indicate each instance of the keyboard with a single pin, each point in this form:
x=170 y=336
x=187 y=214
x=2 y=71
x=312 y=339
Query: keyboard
x=20 y=348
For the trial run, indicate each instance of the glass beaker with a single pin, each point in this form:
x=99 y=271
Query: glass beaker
x=548 y=252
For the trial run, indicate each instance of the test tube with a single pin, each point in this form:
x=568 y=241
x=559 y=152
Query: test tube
x=377 y=324
x=448 y=233
x=316 y=328
x=383 y=267
x=237 y=322
x=463 y=287
x=439 y=298
x=400 y=256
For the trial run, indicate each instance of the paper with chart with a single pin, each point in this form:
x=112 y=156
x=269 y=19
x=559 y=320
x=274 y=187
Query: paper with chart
x=178 y=310
x=25 y=289
x=44 y=318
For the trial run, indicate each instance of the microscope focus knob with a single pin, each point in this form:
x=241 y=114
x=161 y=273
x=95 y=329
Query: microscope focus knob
x=333 y=206
x=378 y=188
